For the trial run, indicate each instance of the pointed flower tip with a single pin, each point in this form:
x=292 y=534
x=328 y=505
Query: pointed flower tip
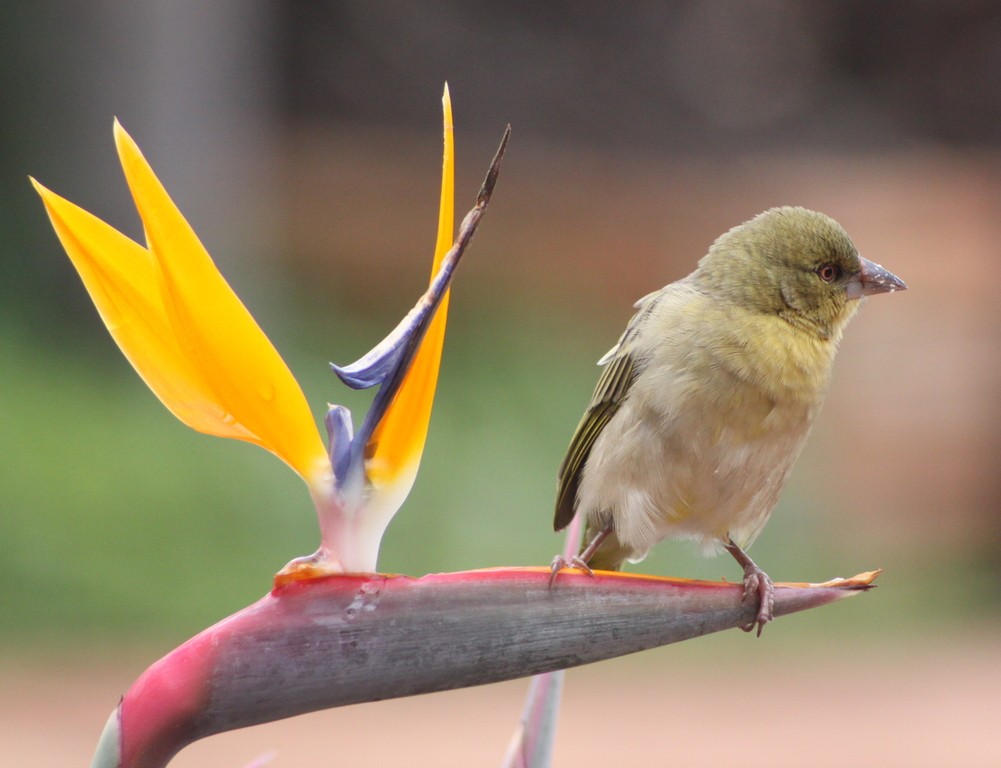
x=49 y=198
x=40 y=188
x=128 y=153
x=120 y=134
x=446 y=106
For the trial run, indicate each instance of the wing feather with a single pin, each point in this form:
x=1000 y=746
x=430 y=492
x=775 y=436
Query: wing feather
x=609 y=393
x=621 y=365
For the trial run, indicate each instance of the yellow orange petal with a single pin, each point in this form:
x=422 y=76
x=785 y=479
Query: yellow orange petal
x=121 y=278
x=395 y=449
x=236 y=361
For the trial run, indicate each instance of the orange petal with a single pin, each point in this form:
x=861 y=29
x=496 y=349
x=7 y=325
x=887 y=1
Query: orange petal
x=121 y=278
x=395 y=449
x=182 y=327
x=238 y=364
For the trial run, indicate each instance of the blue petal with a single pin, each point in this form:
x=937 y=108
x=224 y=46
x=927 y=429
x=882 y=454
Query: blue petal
x=388 y=362
x=340 y=434
x=376 y=365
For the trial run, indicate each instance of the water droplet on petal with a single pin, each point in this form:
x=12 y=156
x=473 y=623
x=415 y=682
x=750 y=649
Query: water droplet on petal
x=266 y=390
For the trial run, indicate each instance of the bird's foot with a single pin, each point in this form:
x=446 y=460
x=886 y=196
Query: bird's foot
x=758 y=586
x=560 y=562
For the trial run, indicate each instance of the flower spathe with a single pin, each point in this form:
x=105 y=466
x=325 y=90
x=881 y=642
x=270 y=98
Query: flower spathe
x=202 y=354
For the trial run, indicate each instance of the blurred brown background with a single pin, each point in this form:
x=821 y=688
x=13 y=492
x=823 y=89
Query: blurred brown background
x=302 y=140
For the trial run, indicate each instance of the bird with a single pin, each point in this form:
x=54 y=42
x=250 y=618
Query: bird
x=706 y=400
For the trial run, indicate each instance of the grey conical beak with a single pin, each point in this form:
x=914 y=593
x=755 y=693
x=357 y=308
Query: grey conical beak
x=872 y=278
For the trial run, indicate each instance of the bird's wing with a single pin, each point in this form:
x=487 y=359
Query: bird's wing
x=620 y=368
x=608 y=395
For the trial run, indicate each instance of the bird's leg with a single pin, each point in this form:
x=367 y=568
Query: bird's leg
x=580 y=561
x=756 y=583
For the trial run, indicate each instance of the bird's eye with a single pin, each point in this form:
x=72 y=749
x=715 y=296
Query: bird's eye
x=828 y=272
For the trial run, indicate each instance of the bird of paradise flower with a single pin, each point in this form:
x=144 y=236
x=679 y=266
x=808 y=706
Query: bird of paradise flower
x=200 y=351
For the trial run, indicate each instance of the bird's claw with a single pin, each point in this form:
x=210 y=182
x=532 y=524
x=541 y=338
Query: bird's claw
x=758 y=585
x=560 y=562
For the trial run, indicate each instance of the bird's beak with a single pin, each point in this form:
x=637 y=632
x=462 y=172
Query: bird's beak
x=872 y=278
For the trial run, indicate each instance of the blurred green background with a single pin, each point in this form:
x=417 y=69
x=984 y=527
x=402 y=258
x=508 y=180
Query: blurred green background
x=302 y=141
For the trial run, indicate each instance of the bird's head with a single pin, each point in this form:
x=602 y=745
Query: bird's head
x=795 y=263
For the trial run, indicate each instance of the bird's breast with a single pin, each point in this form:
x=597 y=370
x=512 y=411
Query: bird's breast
x=705 y=440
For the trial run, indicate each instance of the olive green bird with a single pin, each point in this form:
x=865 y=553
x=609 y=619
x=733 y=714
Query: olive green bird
x=707 y=398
